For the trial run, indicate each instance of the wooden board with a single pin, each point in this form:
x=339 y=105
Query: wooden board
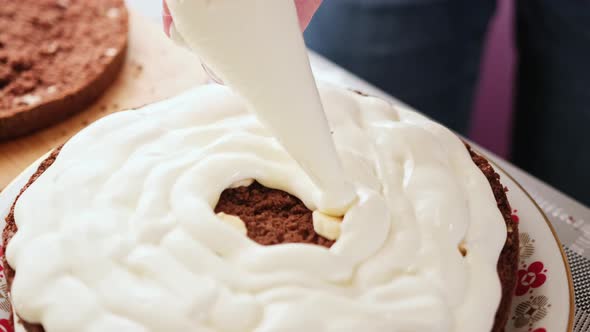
x=155 y=69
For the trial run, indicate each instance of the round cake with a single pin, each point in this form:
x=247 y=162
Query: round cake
x=188 y=215
x=56 y=57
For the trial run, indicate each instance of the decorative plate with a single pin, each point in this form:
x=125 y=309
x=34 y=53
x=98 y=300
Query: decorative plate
x=543 y=299
x=544 y=295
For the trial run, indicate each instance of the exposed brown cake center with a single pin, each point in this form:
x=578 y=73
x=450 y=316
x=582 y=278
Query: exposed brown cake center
x=271 y=216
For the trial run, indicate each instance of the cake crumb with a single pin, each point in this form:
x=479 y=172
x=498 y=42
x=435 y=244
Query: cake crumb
x=28 y=99
x=51 y=89
x=51 y=48
x=113 y=12
x=63 y=3
x=463 y=249
x=110 y=52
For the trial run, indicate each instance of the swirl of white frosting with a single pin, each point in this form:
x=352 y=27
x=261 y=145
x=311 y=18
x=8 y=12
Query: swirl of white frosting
x=120 y=234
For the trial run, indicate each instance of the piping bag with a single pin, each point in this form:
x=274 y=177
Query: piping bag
x=256 y=48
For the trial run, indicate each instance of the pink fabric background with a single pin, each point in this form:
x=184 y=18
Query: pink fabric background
x=491 y=122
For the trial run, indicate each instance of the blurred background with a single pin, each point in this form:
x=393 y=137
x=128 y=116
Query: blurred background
x=512 y=75
x=491 y=120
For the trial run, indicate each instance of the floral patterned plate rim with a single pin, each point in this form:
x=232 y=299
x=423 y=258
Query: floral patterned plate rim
x=544 y=296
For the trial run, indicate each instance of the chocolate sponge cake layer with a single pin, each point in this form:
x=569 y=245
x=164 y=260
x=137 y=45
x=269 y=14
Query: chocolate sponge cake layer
x=508 y=261
x=273 y=217
x=10 y=229
x=56 y=57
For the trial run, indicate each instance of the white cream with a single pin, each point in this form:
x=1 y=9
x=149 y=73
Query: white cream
x=326 y=225
x=120 y=233
x=256 y=47
x=234 y=221
x=18 y=326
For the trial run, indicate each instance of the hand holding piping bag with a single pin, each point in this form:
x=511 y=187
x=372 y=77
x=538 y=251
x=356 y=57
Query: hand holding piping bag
x=305 y=11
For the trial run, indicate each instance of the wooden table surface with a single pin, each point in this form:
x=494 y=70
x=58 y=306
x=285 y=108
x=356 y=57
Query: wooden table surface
x=155 y=69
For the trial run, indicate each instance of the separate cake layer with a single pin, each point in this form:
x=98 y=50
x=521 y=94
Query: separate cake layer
x=56 y=57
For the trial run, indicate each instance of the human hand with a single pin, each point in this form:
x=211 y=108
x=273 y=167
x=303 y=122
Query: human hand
x=305 y=11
